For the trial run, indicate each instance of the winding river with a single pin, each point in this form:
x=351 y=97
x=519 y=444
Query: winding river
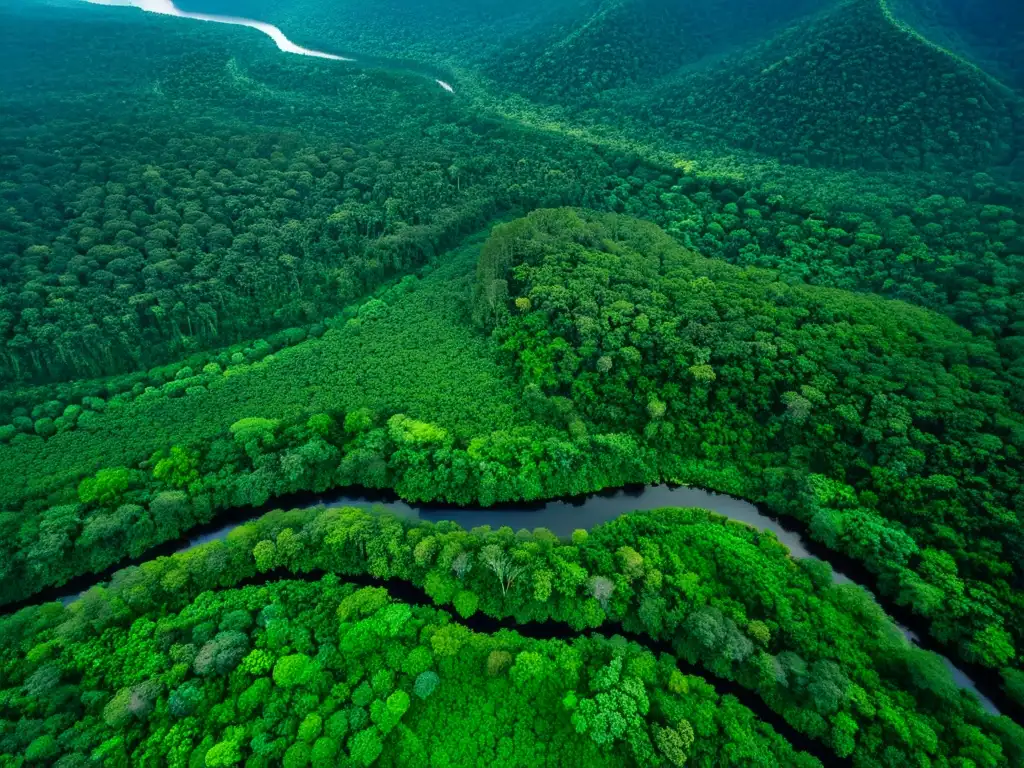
x=561 y=517
x=168 y=8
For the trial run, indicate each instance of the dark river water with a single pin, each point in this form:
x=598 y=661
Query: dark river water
x=562 y=517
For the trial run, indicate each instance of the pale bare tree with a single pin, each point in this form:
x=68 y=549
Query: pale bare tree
x=602 y=588
x=495 y=558
x=462 y=564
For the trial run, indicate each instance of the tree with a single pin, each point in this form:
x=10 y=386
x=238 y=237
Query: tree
x=324 y=752
x=827 y=686
x=466 y=603
x=310 y=727
x=185 y=700
x=105 y=488
x=43 y=749
x=365 y=747
x=497 y=662
x=602 y=589
x=529 y=670
x=293 y=670
x=671 y=744
x=264 y=553
x=462 y=564
x=398 y=703
x=426 y=683
x=221 y=654
x=449 y=639
x=180 y=469
x=223 y=754
x=297 y=756
x=501 y=565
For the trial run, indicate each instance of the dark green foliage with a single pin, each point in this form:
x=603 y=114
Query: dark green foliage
x=426 y=684
x=328 y=213
x=164 y=238
x=984 y=31
x=850 y=88
x=620 y=44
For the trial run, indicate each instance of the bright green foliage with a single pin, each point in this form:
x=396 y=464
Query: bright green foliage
x=42 y=749
x=466 y=603
x=883 y=493
x=180 y=469
x=290 y=671
x=324 y=752
x=223 y=754
x=310 y=728
x=458 y=720
x=297 y=756
x=831 y=659
x=105 y=488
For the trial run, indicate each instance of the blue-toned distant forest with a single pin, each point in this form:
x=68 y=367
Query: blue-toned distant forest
x=986 y=31
x=771 y=249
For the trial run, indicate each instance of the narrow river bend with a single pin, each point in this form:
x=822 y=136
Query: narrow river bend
x=561 y=517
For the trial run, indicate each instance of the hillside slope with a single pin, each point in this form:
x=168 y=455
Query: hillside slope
x=715 y=363
x=989 y=32
x=621 y=43
x=850 y=88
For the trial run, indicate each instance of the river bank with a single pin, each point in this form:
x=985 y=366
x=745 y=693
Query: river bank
x=562 y=517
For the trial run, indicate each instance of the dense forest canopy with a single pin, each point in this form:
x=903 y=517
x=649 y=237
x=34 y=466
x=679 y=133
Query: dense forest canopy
x=193 y=272
x=324 y=674
x=511 y=252
x=264 y=672
x=851 y=88
x=708 y=360
x=620 y=45
x=986 y=31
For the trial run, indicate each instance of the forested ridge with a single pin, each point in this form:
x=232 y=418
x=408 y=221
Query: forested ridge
x=633 y=43
x=636 y=332
x=973 y=30
x=779 y=257
x=851 y=88
x=832 y=84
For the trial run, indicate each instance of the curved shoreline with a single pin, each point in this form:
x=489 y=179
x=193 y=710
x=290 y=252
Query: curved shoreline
x=561 y=517
x=168 y=8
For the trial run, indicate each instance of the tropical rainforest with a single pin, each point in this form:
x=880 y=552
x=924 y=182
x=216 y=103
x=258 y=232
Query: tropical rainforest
x=475 y=255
